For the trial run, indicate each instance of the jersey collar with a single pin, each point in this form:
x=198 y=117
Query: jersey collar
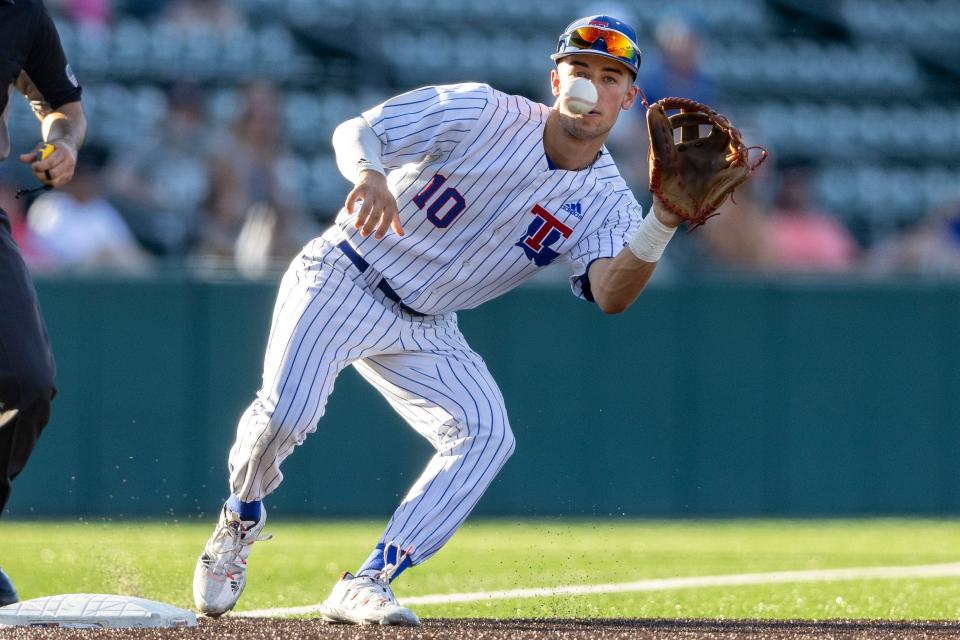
x=553 y=167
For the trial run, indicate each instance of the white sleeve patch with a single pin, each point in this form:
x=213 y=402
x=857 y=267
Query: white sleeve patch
x=70 y=76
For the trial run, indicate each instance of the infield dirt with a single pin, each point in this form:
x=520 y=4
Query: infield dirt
x=484 y=629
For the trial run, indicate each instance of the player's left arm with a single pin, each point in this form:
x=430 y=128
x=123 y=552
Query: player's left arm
x=617 y=282
x=359 y=155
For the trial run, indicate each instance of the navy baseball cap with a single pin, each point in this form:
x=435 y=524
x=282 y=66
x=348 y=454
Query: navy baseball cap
x=602 y=36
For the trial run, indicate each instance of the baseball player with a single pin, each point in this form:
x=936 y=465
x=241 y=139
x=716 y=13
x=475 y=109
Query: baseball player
x=31 y=59
x=461 y=193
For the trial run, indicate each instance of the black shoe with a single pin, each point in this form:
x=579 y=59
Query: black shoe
x=8 y=595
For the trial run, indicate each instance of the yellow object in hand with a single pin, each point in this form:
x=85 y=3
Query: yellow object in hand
x=45 y=151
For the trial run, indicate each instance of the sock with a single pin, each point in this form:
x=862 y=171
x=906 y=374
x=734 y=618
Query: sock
x=375 y=564
x=249 y=511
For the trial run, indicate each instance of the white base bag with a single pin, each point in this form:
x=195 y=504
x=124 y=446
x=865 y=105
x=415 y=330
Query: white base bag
x=94 y=611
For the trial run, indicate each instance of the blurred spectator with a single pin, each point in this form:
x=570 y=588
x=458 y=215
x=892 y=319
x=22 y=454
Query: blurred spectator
x=163 y=187
x=671 y=68
x=674 y=68
x=192 y=16
x=144 y=8
x=802 y=237
x=930 y=247
x=78 y=228
x=88 y=13
x=739 y=236
x=255 y=214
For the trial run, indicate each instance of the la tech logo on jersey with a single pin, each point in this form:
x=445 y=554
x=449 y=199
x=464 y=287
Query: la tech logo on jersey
x=544 y=232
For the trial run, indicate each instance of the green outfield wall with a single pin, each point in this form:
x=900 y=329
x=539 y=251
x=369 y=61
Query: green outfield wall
x=712 y=398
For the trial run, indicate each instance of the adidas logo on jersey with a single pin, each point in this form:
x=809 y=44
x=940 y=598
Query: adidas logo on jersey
x=573 y=208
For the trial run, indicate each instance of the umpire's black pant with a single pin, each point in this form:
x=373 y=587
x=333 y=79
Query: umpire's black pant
x=27 y=369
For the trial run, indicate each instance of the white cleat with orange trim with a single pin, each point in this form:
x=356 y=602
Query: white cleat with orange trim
x=221 y=572
x=366 y=600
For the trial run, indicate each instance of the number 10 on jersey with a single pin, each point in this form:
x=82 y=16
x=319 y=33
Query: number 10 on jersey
x=443 y=209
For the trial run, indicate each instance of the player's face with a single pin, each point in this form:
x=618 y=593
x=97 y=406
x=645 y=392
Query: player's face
x=615 y=92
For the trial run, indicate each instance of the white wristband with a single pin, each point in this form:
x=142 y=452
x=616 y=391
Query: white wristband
x=369 y=165
x=651 y=238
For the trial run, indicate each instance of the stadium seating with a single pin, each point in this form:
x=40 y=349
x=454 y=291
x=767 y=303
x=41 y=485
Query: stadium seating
x=851 y=90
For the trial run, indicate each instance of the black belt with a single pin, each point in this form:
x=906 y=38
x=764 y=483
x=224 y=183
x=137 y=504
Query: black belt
x=383 y=285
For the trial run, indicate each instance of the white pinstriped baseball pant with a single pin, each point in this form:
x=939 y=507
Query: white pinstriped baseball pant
x=328 y=315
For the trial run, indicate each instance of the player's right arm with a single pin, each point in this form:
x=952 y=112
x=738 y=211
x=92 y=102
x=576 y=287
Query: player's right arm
x=378 y=208
x=424 y=124
x=359 y=151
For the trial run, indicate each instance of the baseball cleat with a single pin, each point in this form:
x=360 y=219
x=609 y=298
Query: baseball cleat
x=366 y=600
x=221 y=572
x=8 y=595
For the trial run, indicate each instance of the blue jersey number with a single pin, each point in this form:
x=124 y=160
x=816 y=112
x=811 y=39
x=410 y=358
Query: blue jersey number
x=445 y=208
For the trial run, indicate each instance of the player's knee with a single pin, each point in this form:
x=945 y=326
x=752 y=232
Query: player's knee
x=275 y=435
x=503 y=436
x=261 y=421
x=510 y=442
x=490 y=435
x=269 y=436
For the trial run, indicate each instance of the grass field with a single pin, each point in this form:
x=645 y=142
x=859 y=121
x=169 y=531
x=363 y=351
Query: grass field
x=298 y=567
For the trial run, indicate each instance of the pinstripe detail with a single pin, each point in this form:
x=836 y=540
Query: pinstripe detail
x=282 y=390
x=402 y=385
x=489 y=147
x=495 y=447
x=328 y=315
x=496 y=276
x=413 y=251
x=465 y=234
x=335 y=364
x=464 y=419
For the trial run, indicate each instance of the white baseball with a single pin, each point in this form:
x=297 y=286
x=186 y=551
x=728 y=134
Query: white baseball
x=580 y=96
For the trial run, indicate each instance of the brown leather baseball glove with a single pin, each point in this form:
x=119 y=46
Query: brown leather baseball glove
x=693 y=177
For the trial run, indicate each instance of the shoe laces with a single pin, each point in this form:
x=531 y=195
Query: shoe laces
x=230 y=540
x=385 y=575
x=374 y=590
x=370 y=591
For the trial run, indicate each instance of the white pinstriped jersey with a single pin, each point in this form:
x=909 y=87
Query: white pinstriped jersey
x=482 y=212
x=480 y=206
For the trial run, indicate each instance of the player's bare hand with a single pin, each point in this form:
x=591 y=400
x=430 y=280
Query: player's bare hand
x=664 y=215
x=57 y=168
x=378 y=210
